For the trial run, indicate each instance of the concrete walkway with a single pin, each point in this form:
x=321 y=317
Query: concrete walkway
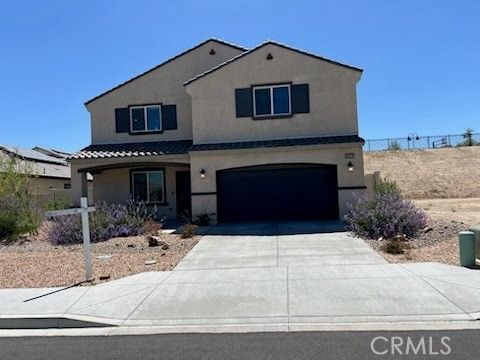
x=261 y=277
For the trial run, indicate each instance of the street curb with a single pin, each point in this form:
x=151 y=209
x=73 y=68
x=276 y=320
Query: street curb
x=53 y=322
x=112 y=330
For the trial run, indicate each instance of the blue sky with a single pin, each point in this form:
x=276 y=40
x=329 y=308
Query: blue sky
x=421 y=58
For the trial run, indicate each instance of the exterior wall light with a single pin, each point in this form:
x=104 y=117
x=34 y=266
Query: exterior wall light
x=350 y=166
x=202 y=174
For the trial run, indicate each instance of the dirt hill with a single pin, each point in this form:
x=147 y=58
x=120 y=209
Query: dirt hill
x=429 y=174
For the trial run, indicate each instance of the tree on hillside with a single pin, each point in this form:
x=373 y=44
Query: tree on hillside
x=468 y=137
x=394 y=145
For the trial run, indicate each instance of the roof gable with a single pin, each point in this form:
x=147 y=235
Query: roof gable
x=165 y=63
x=262 y=45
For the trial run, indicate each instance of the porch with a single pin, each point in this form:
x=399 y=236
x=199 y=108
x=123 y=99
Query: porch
x=159 y=178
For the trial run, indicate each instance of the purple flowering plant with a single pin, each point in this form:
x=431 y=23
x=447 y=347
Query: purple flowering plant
x=109 y=220
x=384 y=214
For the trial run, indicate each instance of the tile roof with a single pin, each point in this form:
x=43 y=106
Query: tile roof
x=133 y=149
x=184 y=146
x=270 y=42
x=278 y=143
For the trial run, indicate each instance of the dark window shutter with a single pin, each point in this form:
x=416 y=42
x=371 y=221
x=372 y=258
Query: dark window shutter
x=244 y=102
x=169 y=117
x=300 y=99
x=122 y=120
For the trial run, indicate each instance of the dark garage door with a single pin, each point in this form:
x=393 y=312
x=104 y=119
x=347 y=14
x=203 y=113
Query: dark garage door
x=277 y=192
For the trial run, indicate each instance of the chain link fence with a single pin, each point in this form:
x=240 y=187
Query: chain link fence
x=413 y=141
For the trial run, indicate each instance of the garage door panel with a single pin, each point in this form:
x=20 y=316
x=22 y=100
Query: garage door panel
x=277 y=193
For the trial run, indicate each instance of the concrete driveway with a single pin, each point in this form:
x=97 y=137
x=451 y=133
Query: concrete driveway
x=278 y=245
x=267 y=277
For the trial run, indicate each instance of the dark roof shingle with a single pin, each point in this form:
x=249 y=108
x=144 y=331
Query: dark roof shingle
x=278 y=143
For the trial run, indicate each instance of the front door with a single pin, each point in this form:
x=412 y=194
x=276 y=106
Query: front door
x=184 y=194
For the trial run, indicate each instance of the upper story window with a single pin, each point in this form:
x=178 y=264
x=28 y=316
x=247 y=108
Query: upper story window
x=272 y=100
x=146 y=118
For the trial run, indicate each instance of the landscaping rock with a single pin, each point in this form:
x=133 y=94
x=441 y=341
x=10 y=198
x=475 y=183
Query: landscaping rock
x=150 y=262
x=156 y=241
x=104 y=277
x=104 y=257
x=427 y=229
x=130 y=246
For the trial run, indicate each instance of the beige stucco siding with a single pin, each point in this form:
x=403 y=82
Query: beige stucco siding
x=43 y=186
x=205 y=201
x=163 y=85
x=333 y=109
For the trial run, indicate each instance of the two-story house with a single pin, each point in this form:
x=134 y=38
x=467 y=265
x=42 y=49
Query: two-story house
x=269 y=133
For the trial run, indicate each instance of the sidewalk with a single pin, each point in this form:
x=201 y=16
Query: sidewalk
x=309 y=282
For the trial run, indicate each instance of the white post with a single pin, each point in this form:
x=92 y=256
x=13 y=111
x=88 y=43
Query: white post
x=86 y=238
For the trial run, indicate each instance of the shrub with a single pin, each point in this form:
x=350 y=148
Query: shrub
x=202 y=219
x=394 y=145
x=59 y=202
x=395 y=246
x=387 y=187
x=106 y=222
x=152 y=227
x=188 y=231
x=384 y=215
x=19 y=213
x=8 y=224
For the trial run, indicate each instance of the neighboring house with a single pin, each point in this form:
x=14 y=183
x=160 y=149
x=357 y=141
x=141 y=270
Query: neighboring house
x=49 y=168
x=269 y=133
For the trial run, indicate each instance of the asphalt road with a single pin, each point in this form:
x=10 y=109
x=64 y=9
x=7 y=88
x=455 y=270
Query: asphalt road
x=463 y=344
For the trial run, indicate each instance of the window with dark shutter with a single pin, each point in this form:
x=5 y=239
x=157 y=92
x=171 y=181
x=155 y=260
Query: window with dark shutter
x=243 y=102
x=169 y=117
x=300 y=99
x=122 y=120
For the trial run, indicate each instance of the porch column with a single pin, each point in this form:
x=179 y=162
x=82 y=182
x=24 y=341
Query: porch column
x=84 y=184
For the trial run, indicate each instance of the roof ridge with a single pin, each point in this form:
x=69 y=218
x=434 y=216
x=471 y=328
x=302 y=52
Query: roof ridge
x=264 y=43
x=162 y=64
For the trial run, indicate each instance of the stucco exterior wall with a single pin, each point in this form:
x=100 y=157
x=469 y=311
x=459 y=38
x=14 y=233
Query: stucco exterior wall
x=204 y=190
x=333 y=108
x=163 y=85
x=114 y=186
x=42 y=186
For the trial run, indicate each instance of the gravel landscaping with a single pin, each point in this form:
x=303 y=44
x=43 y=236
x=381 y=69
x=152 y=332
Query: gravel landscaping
x=439 y=241
x=34 y=262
